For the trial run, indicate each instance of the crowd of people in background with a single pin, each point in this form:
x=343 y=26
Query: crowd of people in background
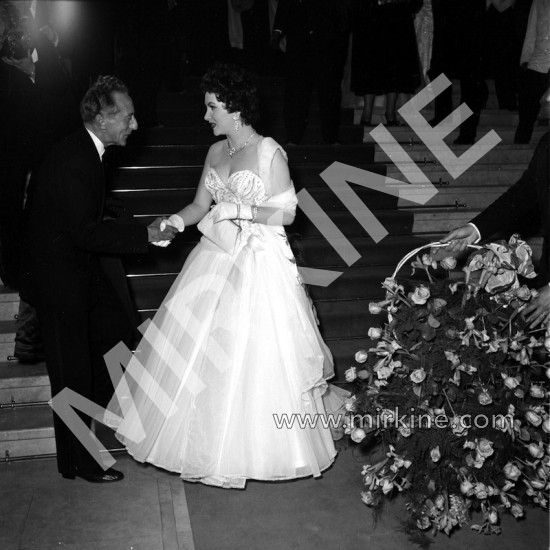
x=394 y=48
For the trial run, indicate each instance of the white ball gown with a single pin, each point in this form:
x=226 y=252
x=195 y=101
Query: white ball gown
x=234 y=343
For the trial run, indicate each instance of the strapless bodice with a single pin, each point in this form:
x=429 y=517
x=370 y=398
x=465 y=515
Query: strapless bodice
x=243 y=187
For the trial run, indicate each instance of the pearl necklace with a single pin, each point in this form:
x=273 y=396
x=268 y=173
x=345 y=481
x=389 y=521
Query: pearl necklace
x=234 y=150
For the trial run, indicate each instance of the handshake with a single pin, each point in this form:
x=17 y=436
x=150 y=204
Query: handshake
x=163 y=230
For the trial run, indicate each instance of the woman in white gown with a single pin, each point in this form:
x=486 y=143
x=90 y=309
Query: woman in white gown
x=235 y=345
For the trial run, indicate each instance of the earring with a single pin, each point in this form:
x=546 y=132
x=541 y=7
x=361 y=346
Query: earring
x=237 y=119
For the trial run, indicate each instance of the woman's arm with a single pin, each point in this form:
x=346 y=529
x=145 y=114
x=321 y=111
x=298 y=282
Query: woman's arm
x=195 y=211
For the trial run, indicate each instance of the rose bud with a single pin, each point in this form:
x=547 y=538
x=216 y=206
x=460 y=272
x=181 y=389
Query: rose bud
x=546 y=425
x=511 y=471
x=448 y=263
x=418 y=376
x=358 y=434
x=537 y=392
x=375 y=308
x=537 y=484
x=480 y=491
x=533 y=418
x=363 y=374
x=484 y=398
x=547 y=343
x=423 y=523
x=368 y=498
x=510 y=382
x=420 y=295
x=517 y=510
x=351 y=374
x=435 y=454
x=361 y=356
x=467 y=488
x=535 y=450
x=374 y=333
x=493 y=516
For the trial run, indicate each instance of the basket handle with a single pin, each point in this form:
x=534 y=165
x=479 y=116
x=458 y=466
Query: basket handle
x=412 y=253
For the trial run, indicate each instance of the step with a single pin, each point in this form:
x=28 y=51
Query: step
x=7 y=339
x=405 y=134
x=184 y=135
x=489 y=118
x=184 y=115
x=465 y=197
x=479 y=175
x=23 y=383
x=26 y=431
x=9 y=304
x=442 y=219
x=167 y=201
x=501 y=154
x=194 y=155
x=186 y=178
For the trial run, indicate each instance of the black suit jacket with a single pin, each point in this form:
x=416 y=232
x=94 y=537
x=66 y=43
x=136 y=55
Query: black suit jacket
x=529 y=196
x=65 y=234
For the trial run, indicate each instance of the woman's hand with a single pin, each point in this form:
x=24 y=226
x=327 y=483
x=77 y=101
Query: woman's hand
x=231 y=211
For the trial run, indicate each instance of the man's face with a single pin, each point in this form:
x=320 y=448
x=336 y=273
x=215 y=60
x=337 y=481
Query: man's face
x=120 y=124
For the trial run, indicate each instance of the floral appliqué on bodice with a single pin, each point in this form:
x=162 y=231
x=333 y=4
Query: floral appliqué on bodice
x=242 y=187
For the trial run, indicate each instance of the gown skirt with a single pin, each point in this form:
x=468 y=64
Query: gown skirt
x=229 y=380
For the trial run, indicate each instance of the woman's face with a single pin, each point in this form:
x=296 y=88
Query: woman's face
x=220 y=120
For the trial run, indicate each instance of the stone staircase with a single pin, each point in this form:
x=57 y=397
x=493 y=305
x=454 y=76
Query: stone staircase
x=157 y=174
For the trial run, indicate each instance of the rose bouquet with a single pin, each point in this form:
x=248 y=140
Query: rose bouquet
x=456 y=390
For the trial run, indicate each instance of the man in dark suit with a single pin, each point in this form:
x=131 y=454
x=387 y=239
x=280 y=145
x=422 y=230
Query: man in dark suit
x=528 y=197
x=71 y=275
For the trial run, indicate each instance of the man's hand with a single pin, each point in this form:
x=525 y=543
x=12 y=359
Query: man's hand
x=25 y=64
x=458 y=240
x=538 y=310
x=156 y=235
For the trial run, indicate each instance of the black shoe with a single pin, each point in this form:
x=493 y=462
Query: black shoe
x=107 y=476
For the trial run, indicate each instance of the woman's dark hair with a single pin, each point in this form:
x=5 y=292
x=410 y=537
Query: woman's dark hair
x=235 y=88
x=100 y=97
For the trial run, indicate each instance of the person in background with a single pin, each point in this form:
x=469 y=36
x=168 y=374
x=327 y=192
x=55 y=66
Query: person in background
x=316 y=34
x=38 y=107
x=458 y=52
x=384 y=54
x=535 y=64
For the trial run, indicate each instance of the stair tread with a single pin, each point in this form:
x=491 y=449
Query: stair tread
x=8 y=295
x=26 y=423
x=7 y=331
x=15 y=375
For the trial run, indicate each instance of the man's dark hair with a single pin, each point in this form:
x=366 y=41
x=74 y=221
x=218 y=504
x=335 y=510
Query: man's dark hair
x=235 y=88
x=100 y=97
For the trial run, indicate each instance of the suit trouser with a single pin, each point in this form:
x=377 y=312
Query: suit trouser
x=473 y=92
x=532 y=85
x=309 y=65
x=75 y=341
